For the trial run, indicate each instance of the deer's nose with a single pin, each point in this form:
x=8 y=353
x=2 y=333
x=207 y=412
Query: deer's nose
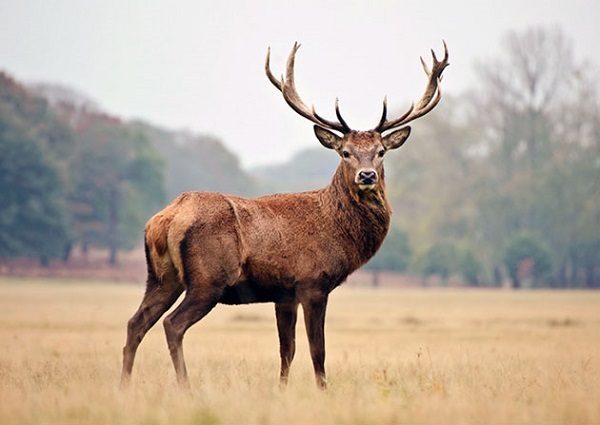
x=366 y=177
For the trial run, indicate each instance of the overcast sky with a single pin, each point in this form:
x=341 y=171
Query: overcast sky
x=198 y=64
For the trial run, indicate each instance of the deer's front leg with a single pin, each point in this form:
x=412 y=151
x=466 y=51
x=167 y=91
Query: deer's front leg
x=314 y=318
x=286 y=314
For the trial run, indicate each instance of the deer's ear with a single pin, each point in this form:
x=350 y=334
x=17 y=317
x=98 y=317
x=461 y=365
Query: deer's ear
x=396 y=139
x=327 y=138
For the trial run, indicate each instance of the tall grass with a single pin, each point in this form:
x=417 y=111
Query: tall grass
x=406 y=356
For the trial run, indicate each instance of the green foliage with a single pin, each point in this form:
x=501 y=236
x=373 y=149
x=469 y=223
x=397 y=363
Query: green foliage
x=430 y=179
x=542 y=135
x=440 y=259
x=32 y=215
x=519 y=155
x=71 y=174
x=470 y=267
x=34 y=155
x=445 y=258
x=394 y=254
x=587 y=254
x=68 y=168
x=526 y=257
x=118 y=184
x=25 y=112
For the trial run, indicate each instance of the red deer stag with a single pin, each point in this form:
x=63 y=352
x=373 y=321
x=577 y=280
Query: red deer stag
x=288 y=249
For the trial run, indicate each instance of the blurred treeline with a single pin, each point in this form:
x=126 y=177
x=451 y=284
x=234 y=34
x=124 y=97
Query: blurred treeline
x=503 y=182
x=74 y=176
x=499 y=184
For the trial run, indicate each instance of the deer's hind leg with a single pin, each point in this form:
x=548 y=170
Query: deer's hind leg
x=209 y=269
x=193 y=308
x=158 y=298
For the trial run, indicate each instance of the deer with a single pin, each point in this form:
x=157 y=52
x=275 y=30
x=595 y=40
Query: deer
x=289 y=249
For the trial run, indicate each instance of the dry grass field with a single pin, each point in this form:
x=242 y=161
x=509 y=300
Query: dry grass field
x=393 y=356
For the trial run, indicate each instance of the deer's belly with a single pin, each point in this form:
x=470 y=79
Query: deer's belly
x=248 y=292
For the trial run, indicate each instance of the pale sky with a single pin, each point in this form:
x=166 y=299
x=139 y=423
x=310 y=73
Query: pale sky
x=198 y=65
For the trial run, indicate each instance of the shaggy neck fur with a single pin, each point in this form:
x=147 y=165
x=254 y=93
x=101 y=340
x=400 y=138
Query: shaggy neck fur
x=364 y=216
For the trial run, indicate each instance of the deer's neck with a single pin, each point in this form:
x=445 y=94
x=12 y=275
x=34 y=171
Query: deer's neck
x=362 y=216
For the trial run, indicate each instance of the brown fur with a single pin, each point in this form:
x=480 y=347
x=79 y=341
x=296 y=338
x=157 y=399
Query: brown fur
x=289 y=249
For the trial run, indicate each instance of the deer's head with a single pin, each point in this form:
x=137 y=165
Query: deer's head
x=362 y=152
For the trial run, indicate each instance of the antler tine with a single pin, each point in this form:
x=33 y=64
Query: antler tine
x=270 y=75
x=340 y=126
x=287 y=87
x=383 y=123
x=383 y=113
x=425 y=68
x=428 y=101
x=339 y=116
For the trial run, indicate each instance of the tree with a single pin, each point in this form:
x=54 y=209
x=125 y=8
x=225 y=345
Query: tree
x=538 y=110
x=34 y=156
x=394 y=255
x=521 y=90
x=431 y=178
x=109 y=173
x=526 y=257
x=32 y=215
x=470 y=266
x=445 y=258
x=119 y=183
x=440 y=259
x=586 y=257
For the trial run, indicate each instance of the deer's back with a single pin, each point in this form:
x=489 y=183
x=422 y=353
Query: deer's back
x=275 y=241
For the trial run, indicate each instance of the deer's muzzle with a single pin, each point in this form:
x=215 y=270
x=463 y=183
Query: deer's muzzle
x=366 y=178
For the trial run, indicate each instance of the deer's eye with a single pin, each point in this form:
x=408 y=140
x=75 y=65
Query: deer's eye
x=346 y=154
x=381 y=153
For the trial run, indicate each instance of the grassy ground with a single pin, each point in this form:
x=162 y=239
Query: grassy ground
x=404 y=356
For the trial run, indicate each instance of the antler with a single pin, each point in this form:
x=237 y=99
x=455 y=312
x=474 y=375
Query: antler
x=288 y=88
x=427 y=102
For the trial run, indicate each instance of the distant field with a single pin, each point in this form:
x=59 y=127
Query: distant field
x=393 y=356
